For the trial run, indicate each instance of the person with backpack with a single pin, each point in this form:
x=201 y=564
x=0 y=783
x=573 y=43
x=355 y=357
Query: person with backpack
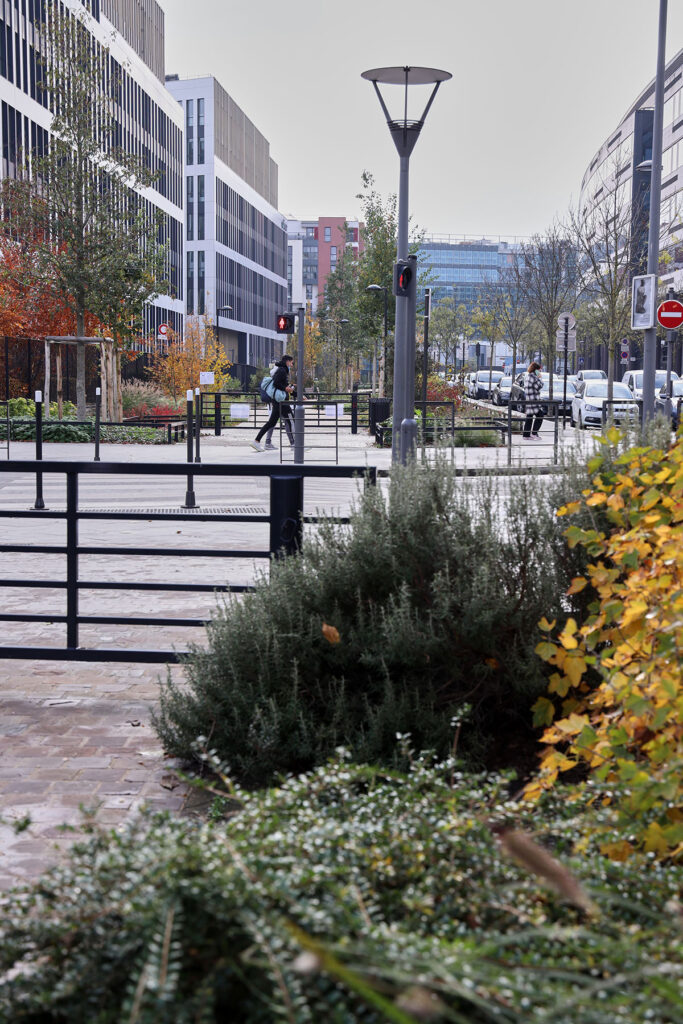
x=277 y=388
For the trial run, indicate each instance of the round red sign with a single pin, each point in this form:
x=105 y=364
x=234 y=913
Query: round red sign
x=670 y=314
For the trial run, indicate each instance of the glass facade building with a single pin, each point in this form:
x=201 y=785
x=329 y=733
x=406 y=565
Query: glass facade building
x=460 y=266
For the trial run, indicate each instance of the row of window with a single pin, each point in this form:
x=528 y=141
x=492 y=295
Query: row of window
x=473 y=257
x=255 y=299
x=201 y=283
x=672 y=158
x=247 y=231
x=189 y=131
x=20 y=138
x=673 y=108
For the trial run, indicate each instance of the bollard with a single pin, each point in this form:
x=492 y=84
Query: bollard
x=286 y=514
x=190 y=501
x=354 y=410
x=39 y=503
x=408 y=439
x=98 y=404
x=168 y=433
x=197 y=422
x=217 y=415
x=556 y=434
x=510 y=432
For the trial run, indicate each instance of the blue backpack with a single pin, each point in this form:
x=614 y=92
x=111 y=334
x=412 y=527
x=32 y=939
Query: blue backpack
x=269 y=393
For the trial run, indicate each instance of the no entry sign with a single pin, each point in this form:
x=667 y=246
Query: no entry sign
x=670 y=314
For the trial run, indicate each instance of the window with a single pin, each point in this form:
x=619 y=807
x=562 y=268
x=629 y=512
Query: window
x=200 y=132
x=333 y=257
x=200 y=206
x=328 y=234
x=201 y=274
x=189 y=127
x=189 y=226
x=190 y=283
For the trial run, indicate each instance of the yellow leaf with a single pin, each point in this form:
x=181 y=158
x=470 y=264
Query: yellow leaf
x=577 y=585
x=331 y=634
x=614 y=435
x=545 y=625
x=569 y=509
x=654 y=841
x=574 y=667
x=620 y=851
x=567 y=638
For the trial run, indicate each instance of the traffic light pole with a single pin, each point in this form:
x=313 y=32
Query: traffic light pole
x=299 y=412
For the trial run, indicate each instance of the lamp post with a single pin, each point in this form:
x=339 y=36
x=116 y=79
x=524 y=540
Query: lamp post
x=650 y=338
x=383 y=364
x=405 y=134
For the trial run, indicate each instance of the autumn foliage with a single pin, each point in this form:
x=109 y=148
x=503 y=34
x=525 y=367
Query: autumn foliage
x=615 y=706
x=176 y=370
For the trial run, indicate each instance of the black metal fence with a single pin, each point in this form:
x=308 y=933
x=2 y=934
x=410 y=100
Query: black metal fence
x=285 y=518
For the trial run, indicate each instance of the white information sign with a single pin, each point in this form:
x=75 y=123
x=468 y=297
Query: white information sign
x=331 y=412
x=207 y=377
x=239 y=411
x=643 y=302
x=566 y=316
x=340 y=409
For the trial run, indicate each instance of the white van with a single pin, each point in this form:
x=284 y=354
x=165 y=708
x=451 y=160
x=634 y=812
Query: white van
x=633 y=379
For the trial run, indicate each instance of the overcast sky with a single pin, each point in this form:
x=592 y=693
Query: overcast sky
x=537 y=86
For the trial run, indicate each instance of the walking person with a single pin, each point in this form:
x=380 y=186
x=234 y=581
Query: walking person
x=535 y=411
x=281 y=389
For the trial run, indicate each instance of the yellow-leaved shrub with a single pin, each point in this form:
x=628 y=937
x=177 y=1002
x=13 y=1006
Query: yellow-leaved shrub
x=615 y=706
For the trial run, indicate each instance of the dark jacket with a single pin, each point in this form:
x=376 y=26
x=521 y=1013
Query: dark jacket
x=281 y=376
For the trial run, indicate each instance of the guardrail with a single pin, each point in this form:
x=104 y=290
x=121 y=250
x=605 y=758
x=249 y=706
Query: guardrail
x=285 y=518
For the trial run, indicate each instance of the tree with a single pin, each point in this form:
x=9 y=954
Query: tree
x=548 y=279
x=77 y=207
x=488 y=317
x=515 y=316
x=606 y=243
x=177 y=370
x=449 y=325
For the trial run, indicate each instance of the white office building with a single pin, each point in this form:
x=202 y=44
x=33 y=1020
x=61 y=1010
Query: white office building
x=150 y=122
x=235 y=239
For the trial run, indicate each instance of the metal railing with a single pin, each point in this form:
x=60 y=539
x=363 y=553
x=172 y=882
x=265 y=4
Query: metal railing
x=285 y=518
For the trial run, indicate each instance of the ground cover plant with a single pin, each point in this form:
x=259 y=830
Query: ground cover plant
x=349 y=894
x=615 y=702
x=429 y=599
x=73 y=433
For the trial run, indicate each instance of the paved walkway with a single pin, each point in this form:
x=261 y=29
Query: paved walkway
x=78 y=734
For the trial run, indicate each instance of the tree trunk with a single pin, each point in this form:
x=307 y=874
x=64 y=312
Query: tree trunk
x=118 y=400
x=60 y=389
x=46 y=394
x=80 y=366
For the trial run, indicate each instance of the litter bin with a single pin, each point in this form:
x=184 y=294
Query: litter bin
x=378 y=411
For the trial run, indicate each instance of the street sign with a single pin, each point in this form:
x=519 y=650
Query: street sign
x=207 y=377
x=643 y=302
x=670 y=314
x=571 y=340
x=162 y=332
x=566 y=316
x=624 y=355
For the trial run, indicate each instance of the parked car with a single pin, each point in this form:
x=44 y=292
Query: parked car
x=591 y=375
x=485 y=382
x=633 y=379
x=501 y=392
x=676 y=395
x=590 y=399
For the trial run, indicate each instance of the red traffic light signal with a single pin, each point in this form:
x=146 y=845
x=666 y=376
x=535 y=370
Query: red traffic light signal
x=285 y=323
x=404 y=275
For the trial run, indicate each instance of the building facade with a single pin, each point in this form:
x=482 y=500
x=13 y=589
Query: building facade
x=235 y=239
x=314 y=249
x=623 y=162
x=149 y=123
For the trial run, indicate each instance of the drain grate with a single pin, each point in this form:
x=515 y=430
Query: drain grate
x=222 y=510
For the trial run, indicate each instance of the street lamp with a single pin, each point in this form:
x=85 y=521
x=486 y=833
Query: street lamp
x=223 y=309
x=381 y=288
x=405 y=134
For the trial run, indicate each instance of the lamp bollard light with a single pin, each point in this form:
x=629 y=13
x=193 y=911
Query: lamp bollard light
x=39 y=503
x=98 y=406
x=405 y=134
x=190 y=501
x=197 y=422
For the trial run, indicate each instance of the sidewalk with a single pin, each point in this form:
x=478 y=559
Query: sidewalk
x=75 y=734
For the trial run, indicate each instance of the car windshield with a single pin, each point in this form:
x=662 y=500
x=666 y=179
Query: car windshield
x=484 y=375
x=592 y=375
x=660 y=379
x=558 y=385
x=676 y=388
x=505 y=382
x=598 y=389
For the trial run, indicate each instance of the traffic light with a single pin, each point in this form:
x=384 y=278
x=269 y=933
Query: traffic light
x=404 y=274
x=285 y=323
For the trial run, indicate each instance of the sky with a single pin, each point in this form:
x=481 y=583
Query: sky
x=537 y=86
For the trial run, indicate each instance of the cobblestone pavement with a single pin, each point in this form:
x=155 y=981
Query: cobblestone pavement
x=76 y=734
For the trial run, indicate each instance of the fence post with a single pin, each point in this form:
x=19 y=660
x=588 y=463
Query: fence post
x=556 y=433
x=71 y=559
x=197 y=422
x=39 y=503
x=190 y=501
x=354 y=409
x=98 y=404
x=217 y=415
x=510 y=431
x=286 y=514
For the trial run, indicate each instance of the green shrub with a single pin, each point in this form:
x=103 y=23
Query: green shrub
x=72 y=433
x=435 y=590
x=394 y=883
x=23 y=408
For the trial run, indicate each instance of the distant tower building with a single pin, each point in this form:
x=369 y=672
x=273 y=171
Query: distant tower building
x=315 y=247
x=235 y=239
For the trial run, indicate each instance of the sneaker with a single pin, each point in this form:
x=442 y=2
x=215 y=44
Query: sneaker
x=535 y=435
x=270 y=447
x=255 y=444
